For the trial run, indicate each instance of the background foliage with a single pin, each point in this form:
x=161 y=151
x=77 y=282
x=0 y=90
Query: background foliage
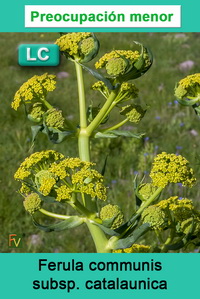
x=169 y=127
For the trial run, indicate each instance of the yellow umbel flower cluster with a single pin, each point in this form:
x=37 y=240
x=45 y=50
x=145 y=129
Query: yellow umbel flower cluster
x=36 y=112
x=188 y=87
x=100 y=86
x=171 y=168
x=79 y=46
x=134 y=113
x=35 y=162
x=181 y=208
x=135 y=248
x=117 y=63
x=126 y=92
x=45 y=181
x=171 y=211
x=132 y=56
x=32 y=203
x=55 y=119
x=112 y=211
x=35 y=88
x=130 y=88
x=180 y=213
x=70 y=42
x=50 y=172
x=63 y=193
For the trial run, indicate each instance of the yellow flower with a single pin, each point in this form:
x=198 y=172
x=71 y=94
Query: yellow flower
x=123 y=64
x=35 y=88
x=117 y=54
x=24 y=189
x=170 y=168
x=21 y=173
x=63 y=192
x=81 y=46
x=180 y=208
x=49 y=171
x=135 y=248
x=45 y=181
x=55 y=119
x=40 y=157
x=188 y=87
x=36 y=112
x=134 y=113
x=100 y=86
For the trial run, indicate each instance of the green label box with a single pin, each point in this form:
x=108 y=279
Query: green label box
x=38 y=55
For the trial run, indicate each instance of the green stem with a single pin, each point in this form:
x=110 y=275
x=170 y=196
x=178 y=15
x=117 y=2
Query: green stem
x=149 y=201
x=97 y=234
x=47 y=104
x=81 y=209
x=116 y=126
x=81 y=95
x=99 y=238
x=84 y=145
x=102 y=113
x=58 y=216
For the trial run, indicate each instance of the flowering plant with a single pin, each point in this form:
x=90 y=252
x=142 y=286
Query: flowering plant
x=49 y=178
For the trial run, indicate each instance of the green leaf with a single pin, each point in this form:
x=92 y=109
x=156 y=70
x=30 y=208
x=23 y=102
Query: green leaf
x=176 y=246
x=71 y=222
x=197 y=109
x=132 y=238
x=139 y=68
x=140 y=62
x=105 y=135
x=181 y=243
x=187 y=102
x=129 y=226
x=35 y=130
x=116 y=133
x=55 y=135
x=107 y=230
x=93 y=53
x=108 y=222
x=128 y=134
x=104 y=166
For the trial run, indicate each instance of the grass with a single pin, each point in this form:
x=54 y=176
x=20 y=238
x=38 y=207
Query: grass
x=168 y=127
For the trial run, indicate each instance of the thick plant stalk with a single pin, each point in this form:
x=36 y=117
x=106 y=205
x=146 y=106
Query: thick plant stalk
x=97 y=234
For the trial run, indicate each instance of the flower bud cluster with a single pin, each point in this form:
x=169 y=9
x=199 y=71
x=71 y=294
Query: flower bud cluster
x=112 y=211
x=32 y=203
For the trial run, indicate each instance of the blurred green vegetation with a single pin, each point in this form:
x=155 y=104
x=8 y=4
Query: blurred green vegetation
x=168 y=127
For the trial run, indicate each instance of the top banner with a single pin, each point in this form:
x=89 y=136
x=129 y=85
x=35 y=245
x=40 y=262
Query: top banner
x=141 y=16
x=101 y=16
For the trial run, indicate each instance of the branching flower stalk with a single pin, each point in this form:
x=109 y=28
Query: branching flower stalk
x=48 y=177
